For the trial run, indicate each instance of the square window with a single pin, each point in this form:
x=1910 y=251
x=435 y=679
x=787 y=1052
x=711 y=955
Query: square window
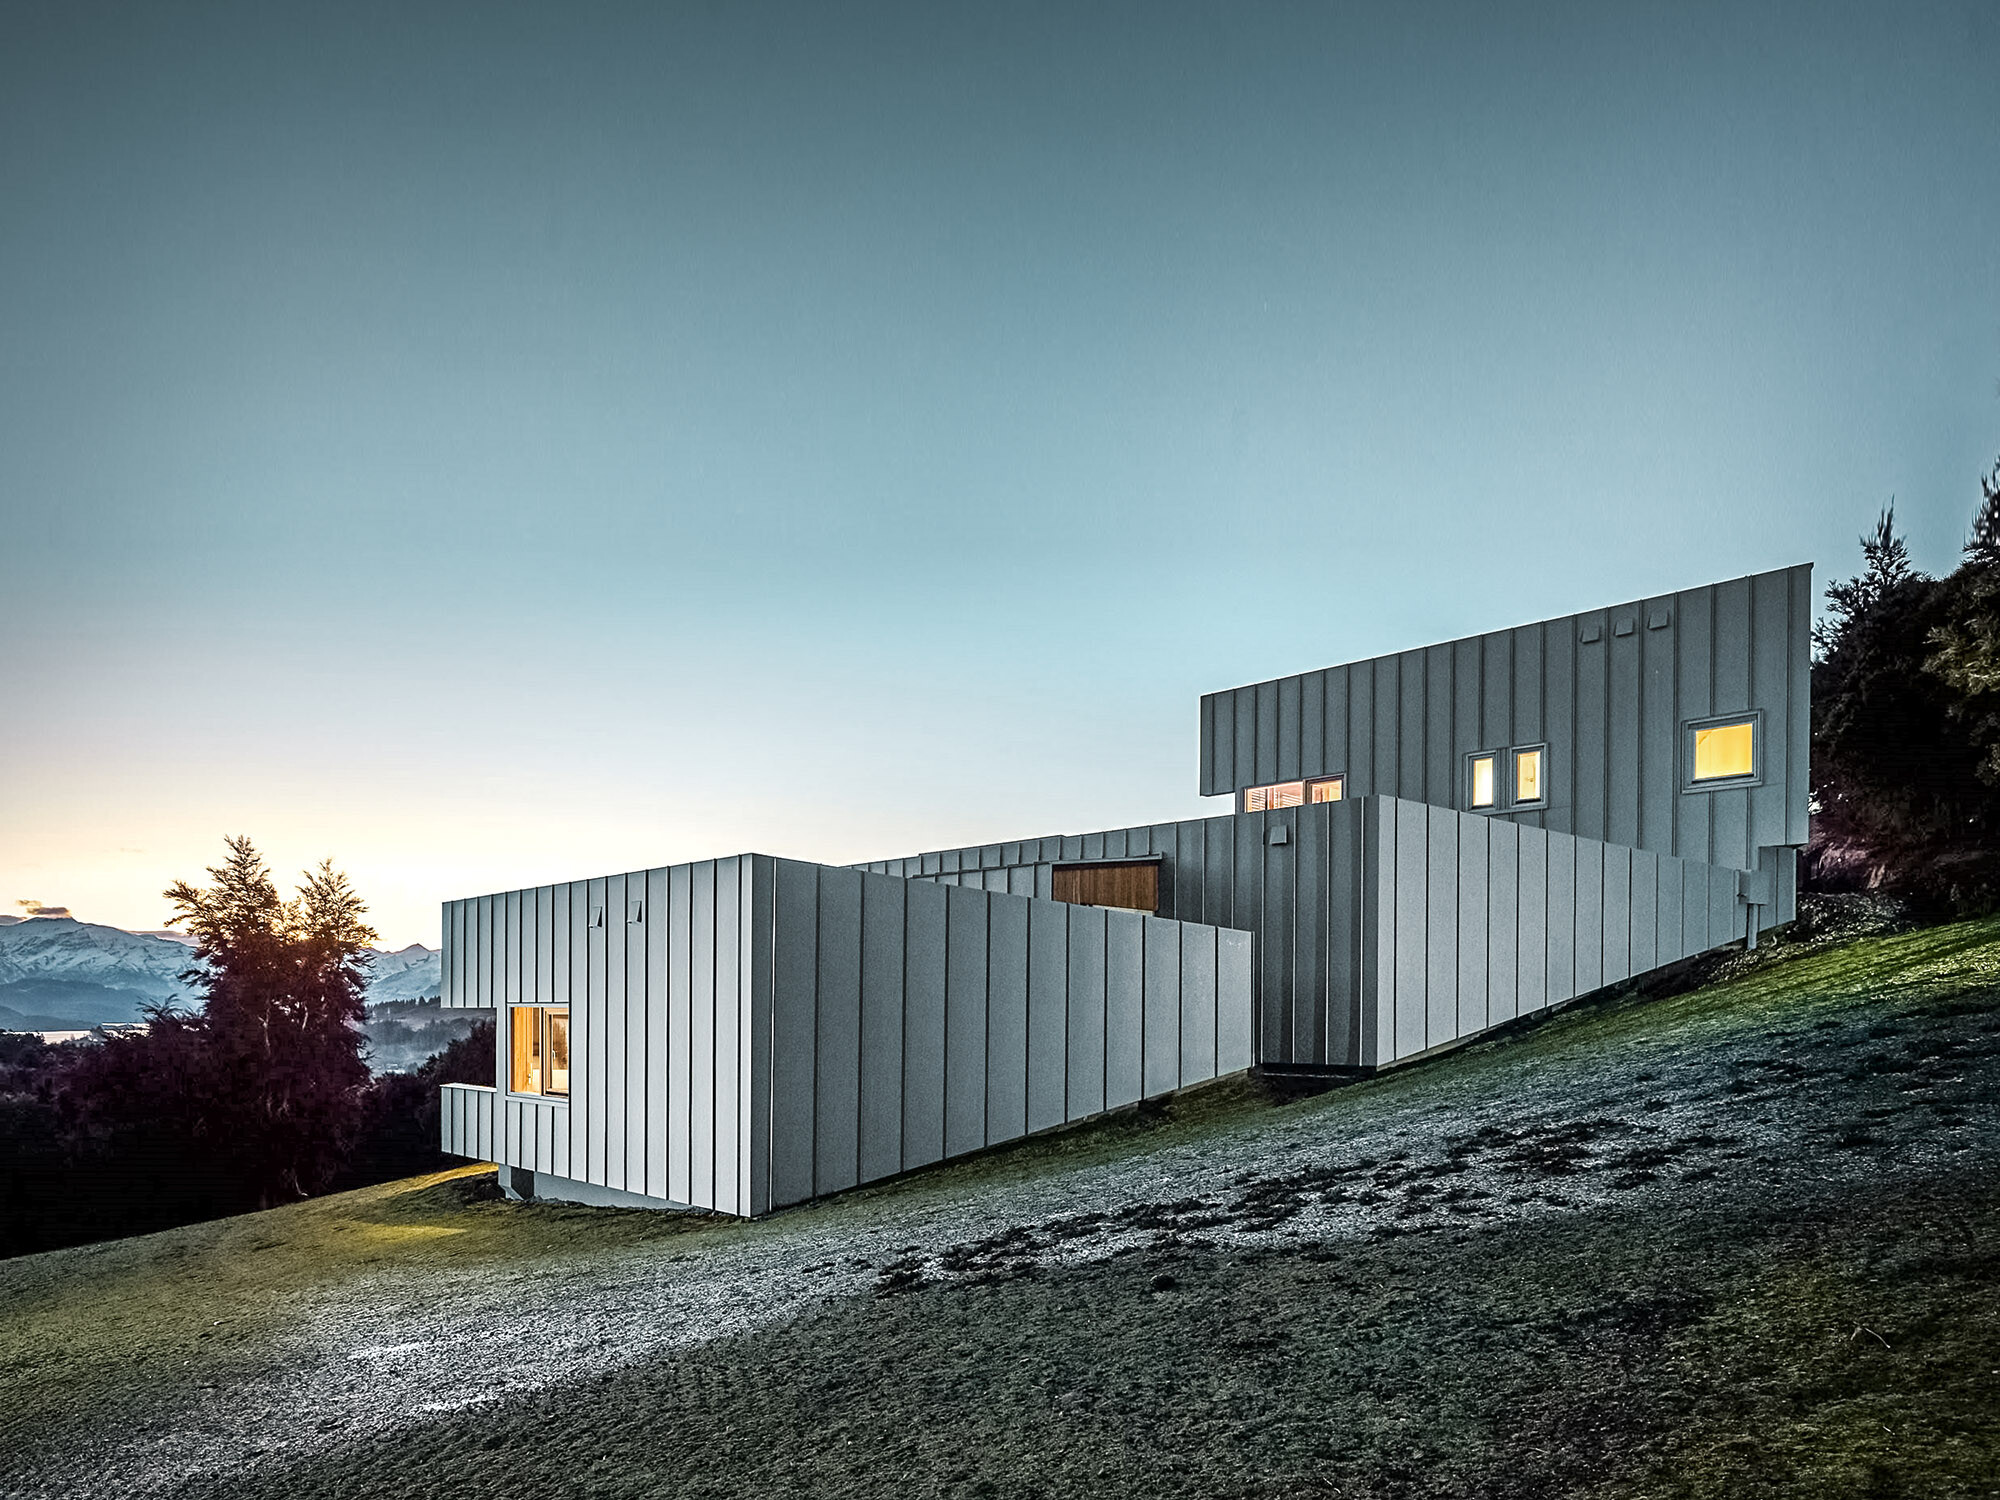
x=1528 y=784
x=1481 y=781
x=1326 y=789
x=1725 y=751
x=538 y=1050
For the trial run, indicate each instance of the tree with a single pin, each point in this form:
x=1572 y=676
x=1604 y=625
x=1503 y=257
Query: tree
x=1898 y=744
x=262 y=1089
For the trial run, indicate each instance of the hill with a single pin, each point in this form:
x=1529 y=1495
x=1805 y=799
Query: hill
x=58 y=972
x=1734 y=1240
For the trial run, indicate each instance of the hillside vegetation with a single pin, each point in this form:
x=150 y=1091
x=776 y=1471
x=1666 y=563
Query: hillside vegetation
x=1737 y=1240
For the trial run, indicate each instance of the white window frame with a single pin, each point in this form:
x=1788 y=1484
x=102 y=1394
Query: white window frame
x=1754 y=717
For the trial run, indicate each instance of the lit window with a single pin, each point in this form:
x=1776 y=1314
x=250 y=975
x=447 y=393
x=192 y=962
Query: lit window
x=539 y=1050
x=1482 y=780
x=1283 y=794
x=1725 y=751
x=1326 y=789
x=1527 y=776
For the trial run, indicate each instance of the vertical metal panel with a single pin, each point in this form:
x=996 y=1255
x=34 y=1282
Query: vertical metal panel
x=1591 y=750
x=1725 y=912
x=545 y=946
x=1440 y=763
x=1087 y=1006
x=1532 y=942
x=794 y=965
x=1375 y=1007
x=1798 y=729
x=1694 y=908
x=637 y=1042
x=759 y=1010
x=1006 y=1020
x=1124 y=1008
x=598 y=1091
x=1265 y=695
x=657 y=925
x=837 y=1107
x=1048 y=1014
x=1670 y=941
x=1388 y=700
x=1221 y=709
x=1309 y=870
x=703 y=998
x=617 y=1038
x=1694 y=623
x=1160 y=1060
x=1644 y=927
x=1562 y=920
x=1621 y=819
x=1312 y=724
x=1503 y=893
x=1615 y=956
x=1589 y=910
x=1360 y=700
x=1770 y=652
x=1277 y=928
x=734 y=1196
x=924 y=1026
x=1235 y=978
x=581 y=1084
x=1658 y=788
x=1409 y=725
x=1440 y=926
x=1470 y=949
x=1244 y=703
x=510 y=946
x=1412 y=950
x=1468 y=731
x=1206 y=733
x=681 y=982
x=1525 y=647
x=880 y=1143
x=1197 y=993
x=1289 y=730
x=719 y=1191
x=965 y=1021
x=1339 y=753
x=1559 y=649
x=1343 y=905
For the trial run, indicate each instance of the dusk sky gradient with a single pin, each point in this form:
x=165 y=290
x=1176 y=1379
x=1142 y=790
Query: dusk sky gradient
x=491 y=444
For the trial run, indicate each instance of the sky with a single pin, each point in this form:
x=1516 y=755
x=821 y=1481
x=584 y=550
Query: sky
x=492 y=444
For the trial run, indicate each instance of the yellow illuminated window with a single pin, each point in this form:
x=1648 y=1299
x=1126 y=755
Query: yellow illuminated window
x=527 y=1076
x=1282 y=794
x=1326 y=789
x=1482 y=781
x=539 y=1050
x=558 y=1051
x=1725 y=750
x=1527 y=775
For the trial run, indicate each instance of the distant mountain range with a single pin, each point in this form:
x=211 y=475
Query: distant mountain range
x=58 y=973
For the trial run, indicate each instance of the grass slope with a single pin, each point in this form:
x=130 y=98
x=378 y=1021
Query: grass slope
x=1734 y=1241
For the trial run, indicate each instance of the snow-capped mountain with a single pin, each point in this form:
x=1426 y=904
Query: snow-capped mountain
x=58 y=971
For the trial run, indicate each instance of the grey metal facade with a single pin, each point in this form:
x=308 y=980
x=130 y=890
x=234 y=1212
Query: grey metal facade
x=753 y=1032
x=1609 y=691
x=1312 y=882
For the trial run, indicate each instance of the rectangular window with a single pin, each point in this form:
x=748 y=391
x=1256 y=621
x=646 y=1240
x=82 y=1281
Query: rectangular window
x=1726 y=751
x=1282 y=794
x=539 y=1050
x=1326 y=789
x=1528 y=776
x=1481 y=791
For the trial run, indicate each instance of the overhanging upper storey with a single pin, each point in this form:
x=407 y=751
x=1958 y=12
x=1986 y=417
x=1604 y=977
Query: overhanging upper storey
x=1678 y=724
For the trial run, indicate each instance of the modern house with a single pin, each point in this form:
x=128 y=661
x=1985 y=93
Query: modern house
x=1423 y=846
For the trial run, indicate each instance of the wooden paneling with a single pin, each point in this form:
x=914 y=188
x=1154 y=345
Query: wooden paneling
x=1133 y=886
